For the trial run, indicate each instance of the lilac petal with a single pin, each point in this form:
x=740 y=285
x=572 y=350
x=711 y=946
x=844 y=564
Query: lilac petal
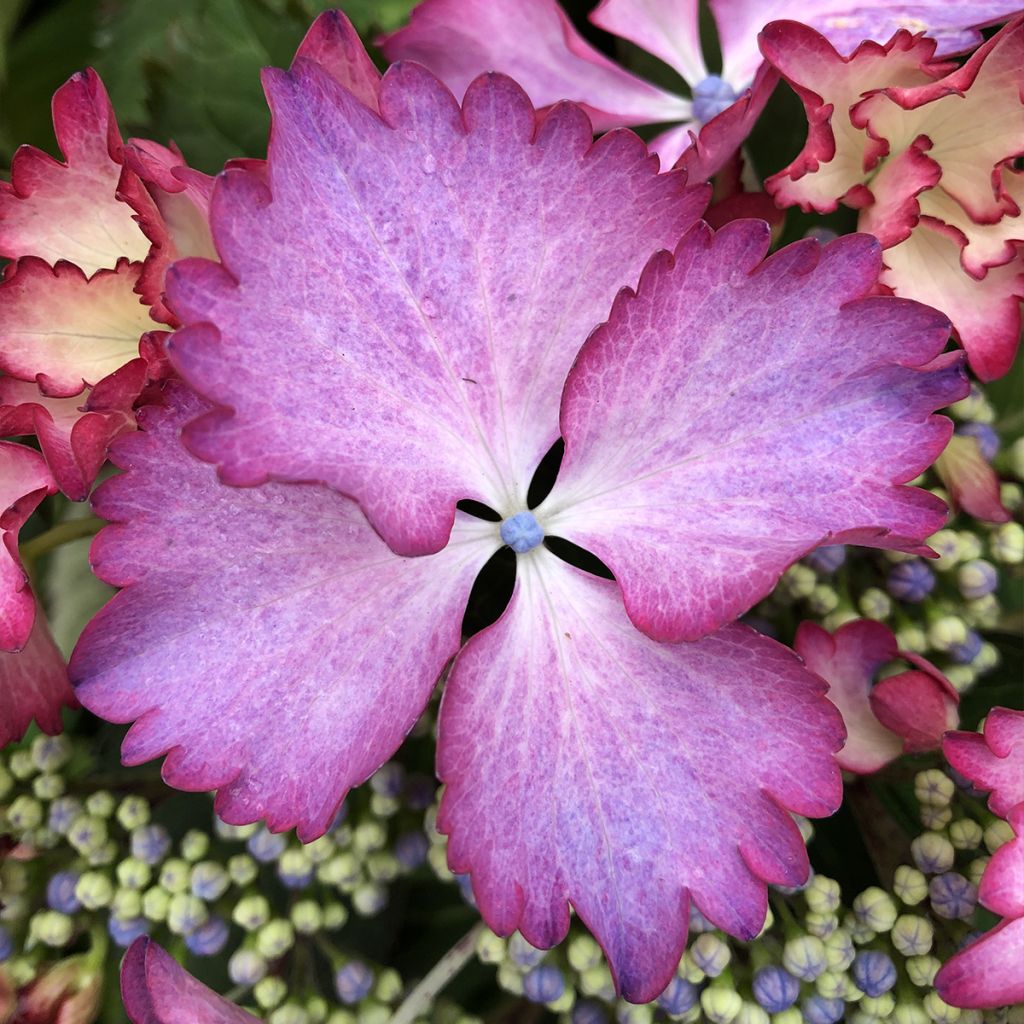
x=469 y=255
x=533 y=42
x=266 y=639
x=712 y=438
x=586 y=764
x=156 y=989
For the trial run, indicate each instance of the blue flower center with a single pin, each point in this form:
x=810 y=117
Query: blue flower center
x=711 y=97
x=521 y=532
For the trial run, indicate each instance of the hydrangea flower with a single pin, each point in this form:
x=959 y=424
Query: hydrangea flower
x=395 y=327
x=989 y=972
x=535 y=43
x=906 y=713
x=925 y=150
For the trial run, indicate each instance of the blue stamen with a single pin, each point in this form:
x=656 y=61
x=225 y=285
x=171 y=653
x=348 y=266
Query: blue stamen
x=521 y=532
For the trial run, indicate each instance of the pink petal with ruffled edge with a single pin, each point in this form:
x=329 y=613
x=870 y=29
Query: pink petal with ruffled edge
x=973 y=117
x=585 y=764
x=971 y=481
x=533 y=42
x=920 y=706
x=65 y=330
x=1002 y=884
x=283 y=679
x=670 y=29
x=335 y=45
x=989 y=973
x=33 y=685
x=897 y=189
x=70 y=211
x=985 y=313
x=992 y=761
x=470 y=256
x=24 y=482
x=833 y=165
x=74 y=433
x=156 y=989
x=712 y=439
x=848 y=661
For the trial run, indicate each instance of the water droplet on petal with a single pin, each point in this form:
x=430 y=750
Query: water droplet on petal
x=429 y=164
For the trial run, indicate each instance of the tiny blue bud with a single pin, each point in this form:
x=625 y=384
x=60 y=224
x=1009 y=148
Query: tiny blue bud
x=589 y=1012
x=208 y=939
x=295 y=869
x=353 y=982
x=711 y=97
x=522 y=532
x=266 y=846
x=209 y=880
x=6 y=944
x=819 y=1010
x=544 y=984
x=150 y=843
x=465 y=884
x=420 y=791
x=964 y=653
x=63 y=811
x=827 y=559
x=977 y=578
x=411 y=849
x=698 y=922
x=952 y=896
x=775 y=989
x=389 y=779
x=873 y=972
x=246 y=967
x=522 y=953
x=679 y=996
x=910 y=581
x=60 y=892
x=125 y=932
x=985 y=435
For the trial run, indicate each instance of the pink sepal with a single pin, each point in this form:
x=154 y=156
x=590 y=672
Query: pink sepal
x=989 y=973
x=972 y=482
x=919 y=706
x=993 y=760
x=335 y=45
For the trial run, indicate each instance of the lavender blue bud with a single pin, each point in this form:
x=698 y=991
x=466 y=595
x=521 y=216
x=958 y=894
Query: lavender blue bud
x=805 y=957
x=873 y=972
x=60 y=892
x=150 y=843
x=710 y=954
x=522 y=953
x=819 y=1010
x=208 y=880
x=775 y=988
x=966 y=651
x=543 y=984
x=63 y=811
x=266 y=846
x=679 y=996
x=209 y=938
x=826 y=560
x=910 y=581
x=411 y=849
x=295 y=869
x=985 y=435
x=588 y=1011
x=977 y=578
x=6 y=944
x=353 y=982
x=246 y=967
x=952 y=896
x=125 y=932
x=933 y=853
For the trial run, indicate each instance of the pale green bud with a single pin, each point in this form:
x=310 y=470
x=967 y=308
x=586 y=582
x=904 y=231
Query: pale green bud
x=51 y=753
x=344 y=1017
x=970 y=545
x=48 y=787
x=879 y=1006
x=839 y=949
x=983 y=612
x=936 y=818
x=987 y=659
x=860 y=932
x=101 y=803
x=510 y=979
x=974 y=408
x=966 y=834
x=51 y=928
x=186 y=913
x=242 y=869
x=689 y=970
x=490 y=948
x=939 y=1011
x=208 y=880
x=910 y=885
x=947 y=632
x=840 y=617
x=372 y=1012
x=275 y=939
x=318 y=1009
x=565 y=1002
x=875 y=604
x=133 y=873
x=268 y=992
x=627 y=1013
x=384 y=806
x=597 y=981
x=933 y=853
x=14 y=877
x=389 y=986
x=912 y=638
x=133 y=812
x=1012 y=497
x=921 y=970
x=127 y=903
x=342 y=871
x=369 y=899
x=790 y=1016
x=335 y=915
x=307 y=917
x=823 y=895
x=369 y=836
x=94 y=890
x=383 y=866
x=720 y=1005
x=976 y=869
x=321 y=849
x=175 y=875
x=751 y=1013
x=710 y=953
x=1017 y=457
x=962 y=677
x=831 y=985
x=909 y=1013
x=822 y=601
x=155 y=903
x=997 y=834
x=1006 y=543
x=806 y=827
x=947 y=545
x=21 y=764
x=860 y=1017
x=875 y=909
x=290 y=1013
x=798 y=581
x=821 y=925
x=6 y=782
x=25 y=812
x=913 y=935
x=934 y=787
x=251 y=912
x=195 y=845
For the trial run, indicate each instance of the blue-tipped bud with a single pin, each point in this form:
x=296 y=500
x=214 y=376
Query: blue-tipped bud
x=266 y=846
x=775 y=988
x=209 y=938
x=389 y=779
x=353 y=982
x=587 y=1011
x=985 y=435
x=977 y=578
x=51 y=753
x=246 y=967
x=208 y=880
x=710 y=954
x=967 y=650
x=543 y=984
x=125 y=932
x=132 y=813
x=933 y=853
x=828 y=559
x=522 y=953
x=679 y=996
x=295 y=869
x=910 y=581
x=873 y=972
x=912 y=935
x=60 y=892
x=411 y=849
x=952 y=896
x=63 y=812
x=805 y=957
x=819 y=1010
x=150 y=843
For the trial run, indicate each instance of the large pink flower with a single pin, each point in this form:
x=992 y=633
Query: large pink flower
x=396 y=326
x=925 y=151
x=535 y=43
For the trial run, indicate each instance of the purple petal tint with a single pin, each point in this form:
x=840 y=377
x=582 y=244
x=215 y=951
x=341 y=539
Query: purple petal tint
x=712 y=438
x=470 y=253
x=585 y=764
x=266 y=640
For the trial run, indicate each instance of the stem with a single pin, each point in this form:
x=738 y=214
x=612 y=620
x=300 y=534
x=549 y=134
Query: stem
x=421 y=998
x=62 y=533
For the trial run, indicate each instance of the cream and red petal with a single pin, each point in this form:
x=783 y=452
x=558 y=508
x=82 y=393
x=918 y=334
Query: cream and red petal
x=993 y=760
x=65 y=330
x=24 y=481
x=897 y=191
x=585 y=764
x=712 y=440
x=985 y=314
x=457 y=239
x=281 y=680
x=834 y=163
x=74 y=433
x=156 y=989
x=70 y=211
x=535 y=43
x=971 y=481
x=989 y=973
x=33 y=685
x=920 y=706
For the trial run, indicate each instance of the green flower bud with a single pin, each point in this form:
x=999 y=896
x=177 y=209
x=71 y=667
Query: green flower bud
x=208 y=880
x=933 y=853
x=21 y=764
x=127 y=903
x=491 y=948
x=186 y=913
x=821 y=925
x=251 y=912
x=983 y=612
x=246 y=967
x=307 y=917
x=938 y=1010
x=14 y=877
x=997 y=834
x=831 y=985
x=966 y=834
x=689 y=970
x=798 y=581
x=383 y=806
x=342 y=871
x=317 y=1008
x=335 y=915
x=962 y=677
x=947 y=632
x=1006 y=543
x=823 y=895
x=839 y=951
x=320 y=849
x=720 y=1005
x=565 y=1002
x=840 y=617
x=875 y=604
x=275 y=938
x=51 y=753
x=823 y=600
x=875 y=909
x=48 y=787
x=372 y=1012
x=947 y=544
x=383 y=866
x=343 y=1017
x=51 y=928
x=290 y=1013
x=860 y=932
x=790 y=1016
x=268 y=992
x=912 y=638
x=133 y=812
x=175 y=875
x=133 y=873
x=195 y=845
x=389 y=986
x=1012 y=497
x=6 y=782
x=909 y=1013
x=630 y=1014
x=369 y=899
x=936 y=818
x=24 y=814
x=751 y=1013
x=155 y=903
x=369 y=836
x=101 y=803
x=910 y=885
x=921 y=970
x=913 y=935
x=805 y=956
x=976 y=869
x=94 y=890
x=878 y=1006
x=987 y=659
x=934 y=787
x=510 y=979
x=242 y=870
x=597 y=982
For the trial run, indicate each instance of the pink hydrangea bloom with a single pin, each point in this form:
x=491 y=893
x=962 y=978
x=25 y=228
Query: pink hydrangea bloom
x=904 y=713
x=395 y=326
x=925 y=151
x=534 y=42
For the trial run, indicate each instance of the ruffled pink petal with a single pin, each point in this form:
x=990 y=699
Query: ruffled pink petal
x=470 y=254
x=711 y=439
x=919 y=706
x=585 y=764
x=972 y=483
x=848 y=661
x=65 y=330
x=989 y=973
x=70 y=211
x=156 y=989
x=533 y=42
x=1002 y=884
x=985 y=314
x=74 y=433
x=897 y=189
x=670 y=29
x=24 y=481
x=992 y=761
x=335 y=45
x=281 y=678
x=834 y=163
